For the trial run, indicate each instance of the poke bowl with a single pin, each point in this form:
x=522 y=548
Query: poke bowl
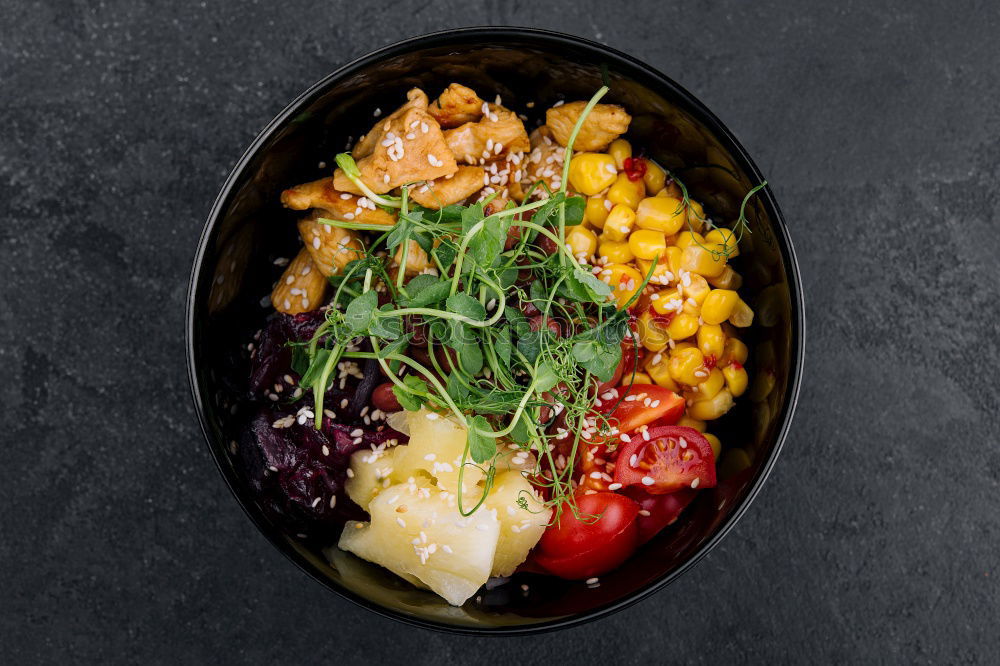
x=495 y=330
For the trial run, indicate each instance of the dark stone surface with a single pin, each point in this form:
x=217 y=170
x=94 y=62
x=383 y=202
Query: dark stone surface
x=876 y=538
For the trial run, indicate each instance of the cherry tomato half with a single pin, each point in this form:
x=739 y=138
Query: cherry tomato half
x=651 y=403
x=658 y=511
x=577 y=549
x=673 y=458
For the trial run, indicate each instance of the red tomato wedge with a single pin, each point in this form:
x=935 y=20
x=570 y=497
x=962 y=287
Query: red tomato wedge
x=662 y=510
x=642 y=404
x=673 y=458
x=577 y=549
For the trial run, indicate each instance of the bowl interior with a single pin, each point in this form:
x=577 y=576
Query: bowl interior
x=248 y=229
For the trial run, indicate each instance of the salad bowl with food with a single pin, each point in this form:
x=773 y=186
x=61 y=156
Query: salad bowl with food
x=495 y=330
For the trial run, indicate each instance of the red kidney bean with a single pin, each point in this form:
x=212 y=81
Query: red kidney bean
x=383 y=398
x=536 y=323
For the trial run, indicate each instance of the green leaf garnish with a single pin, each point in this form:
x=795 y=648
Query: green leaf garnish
x=361 y=312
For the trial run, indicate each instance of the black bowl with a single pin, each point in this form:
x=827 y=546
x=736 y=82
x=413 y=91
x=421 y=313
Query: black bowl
x=248 y=228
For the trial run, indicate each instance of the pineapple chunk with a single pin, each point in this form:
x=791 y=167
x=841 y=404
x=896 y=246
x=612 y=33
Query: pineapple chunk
x=520 y=529
x=436 y=446
x=416 y=532
x=370 y=472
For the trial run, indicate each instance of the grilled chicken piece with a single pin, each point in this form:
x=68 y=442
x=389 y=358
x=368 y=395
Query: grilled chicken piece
x=604 y=124
x=451 y=189
x=407 y=146
x=415 y=99
x=544 y=162
x=331 y=248
x=479 y=140
x=456 y=105
x=341 y=205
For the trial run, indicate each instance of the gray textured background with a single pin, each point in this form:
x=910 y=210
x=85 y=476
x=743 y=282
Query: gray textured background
x=877 y=535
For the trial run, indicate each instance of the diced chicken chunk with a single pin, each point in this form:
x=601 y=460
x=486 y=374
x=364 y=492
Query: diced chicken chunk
x=496 y=135
x=341 y=205
x=456 y=105
x=407 y=147
x=415 y=99
x=331 y=248
x=544 y=163
x=604 y=124
x=451 y=189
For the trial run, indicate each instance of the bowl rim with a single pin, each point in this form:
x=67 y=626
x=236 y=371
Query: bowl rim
x=548 y=38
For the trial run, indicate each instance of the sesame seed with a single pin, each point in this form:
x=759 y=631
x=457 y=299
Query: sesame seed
x=377 y=112
x=400 y=522
x=648 y=481
x=694 y=484
x=591 y=581
x=614 y=486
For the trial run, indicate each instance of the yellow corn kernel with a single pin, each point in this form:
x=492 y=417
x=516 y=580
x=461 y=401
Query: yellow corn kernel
x=658 y=370
x=689 y=422
x=617 y=252
x=711 y=340
x=619 y=223
x=687 y=238
x=581 y=241
x=734 y=462
x=695 y=215
x=699 y=260
x=640 y=378
x=655 y=177
x=671 y=189
x=734 y=350
x=596 y=212
x=589 y=173
x=736 y=379
x=711 y=385
x=716 y=444
x=742 y=315
x=626 y=192
x=712 y=408
x=763 y=384
x=661 y=274
x=696 y=288
x=728 y=279
x=647 y=244
x=623 y=280
x=684 y=363
x=682 y=345
x=620 y=149
x=682 y=327
x=718 y=306
x=674 y=255
x=652 y=336
x=723 y=240
x=666 y=301
x=660 y=214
